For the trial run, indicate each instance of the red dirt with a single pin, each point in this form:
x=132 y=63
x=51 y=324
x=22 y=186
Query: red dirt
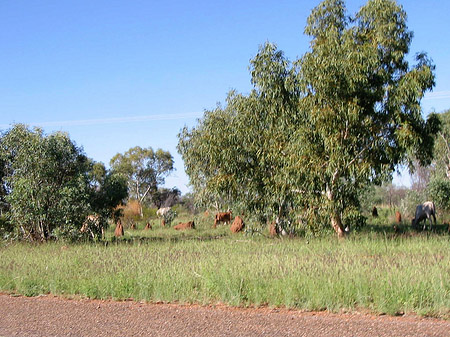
x=185 y=225
x=237 y=225
x=398 y=217
x=273 y=229
x=53 y=316
x=119 y=230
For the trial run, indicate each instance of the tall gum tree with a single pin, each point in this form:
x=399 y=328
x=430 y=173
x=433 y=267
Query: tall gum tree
x=232 y=156
x=312 y=133
x=361 y=98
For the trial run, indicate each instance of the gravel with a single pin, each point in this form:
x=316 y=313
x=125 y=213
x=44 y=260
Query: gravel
x=54 y=316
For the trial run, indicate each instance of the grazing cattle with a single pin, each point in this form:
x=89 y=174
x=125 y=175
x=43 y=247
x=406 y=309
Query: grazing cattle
x=374 y=212
x=224 y=217
x=398 y=217
x=423 y=212
x=162 y=211
x=148 y=226
x=237 y=225
x=119 y=229
x=185 y=225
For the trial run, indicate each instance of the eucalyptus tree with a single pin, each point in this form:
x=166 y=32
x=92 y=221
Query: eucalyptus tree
x=144 y=169
x=51 y=187
x=438 y=188
x=46 y=179
x=108 y=189
x=312 y=134
x=441 y=162
x=361 y=98
x=235 y=156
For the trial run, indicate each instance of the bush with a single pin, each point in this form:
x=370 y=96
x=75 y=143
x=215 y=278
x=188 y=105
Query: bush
x=169 y=216
x=439 y=188
x=353 y=218
x=6 y=228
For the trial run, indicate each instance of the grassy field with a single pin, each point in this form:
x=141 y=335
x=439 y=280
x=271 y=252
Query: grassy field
x=376 y=270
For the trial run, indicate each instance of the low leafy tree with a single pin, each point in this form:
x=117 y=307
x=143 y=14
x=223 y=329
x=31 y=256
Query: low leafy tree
x=46 y=177
x=441 y=163
x=165 y=197
x=169 y=217
x=439 y=191
x=312 y=134
x=433 y=182
x=108 y=190
x=52 y=186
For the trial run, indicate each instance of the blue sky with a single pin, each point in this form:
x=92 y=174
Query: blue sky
x=116 y=74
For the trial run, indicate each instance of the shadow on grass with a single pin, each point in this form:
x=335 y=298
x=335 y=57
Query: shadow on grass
x=173 y=239
x=404 y=229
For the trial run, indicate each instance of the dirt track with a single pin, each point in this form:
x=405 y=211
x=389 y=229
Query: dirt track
x=51 y=316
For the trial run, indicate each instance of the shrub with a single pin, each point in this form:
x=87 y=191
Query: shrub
x=170 y=216
x=439 y=188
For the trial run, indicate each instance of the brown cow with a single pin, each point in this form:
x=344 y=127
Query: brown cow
x=185 y=225
x=398 y=217
x=237 y=225
x=224 y=217
x=119 y=229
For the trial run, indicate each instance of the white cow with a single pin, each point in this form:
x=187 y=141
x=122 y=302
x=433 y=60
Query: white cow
x=162 y=211
x=423 y=212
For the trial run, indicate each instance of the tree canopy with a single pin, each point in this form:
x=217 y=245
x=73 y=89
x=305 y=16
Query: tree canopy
x=144 y=169
x=49 y=187
x=312 y=133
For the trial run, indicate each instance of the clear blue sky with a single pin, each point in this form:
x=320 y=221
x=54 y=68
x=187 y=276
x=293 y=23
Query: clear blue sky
x=116 y=74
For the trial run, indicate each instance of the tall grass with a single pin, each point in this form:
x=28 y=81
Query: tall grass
x=370 y=272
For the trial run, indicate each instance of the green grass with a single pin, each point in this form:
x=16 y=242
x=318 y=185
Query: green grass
x=203 y=230
x=372 y=271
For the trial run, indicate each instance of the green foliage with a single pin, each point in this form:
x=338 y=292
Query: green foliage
x=169 y=216
x=353 y=218
x=165 y=197
x=6 y=228
x=442 y=149
x=149 y=212
x=52 y=186
x=412 y=199
x=109 y=192
x=319 y=130
x=440 y=190
x=46 y=177
x=144 y=170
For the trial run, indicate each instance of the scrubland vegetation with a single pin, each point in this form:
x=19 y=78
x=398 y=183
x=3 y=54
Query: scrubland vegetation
x=311 y=150
x=377 y=271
